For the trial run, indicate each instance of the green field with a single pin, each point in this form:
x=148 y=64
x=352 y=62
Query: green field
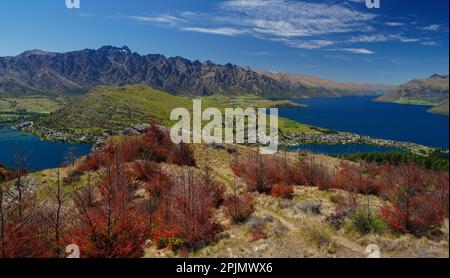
x=40 y=105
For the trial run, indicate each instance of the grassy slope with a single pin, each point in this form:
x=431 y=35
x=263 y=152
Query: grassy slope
x=290 y=233
x=116 y=108
x=30 y=104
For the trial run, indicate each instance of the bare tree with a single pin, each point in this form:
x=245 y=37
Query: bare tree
x=56 y=215
x=19 y=159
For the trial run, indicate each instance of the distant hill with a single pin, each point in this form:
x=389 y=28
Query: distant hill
x=46 y=73
x=323 y=87
x=431 y=91
x=114 y=108
x=441 y=108
x=109 y=108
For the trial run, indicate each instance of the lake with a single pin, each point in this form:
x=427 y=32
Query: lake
x=359 y=115
x=362 y=115
x=39 y=154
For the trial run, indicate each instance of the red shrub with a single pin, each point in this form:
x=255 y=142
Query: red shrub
x=114 y=226
x=282 y=191
x=154 y=146
x=417 y=206
x=258 y=233
x=262 y=172
x=186 y=210
x=92 y=162
x=395 y=218
x=23 y=236
x=239 y=208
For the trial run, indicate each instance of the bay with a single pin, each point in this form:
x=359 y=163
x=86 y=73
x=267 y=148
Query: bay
x=38 y=154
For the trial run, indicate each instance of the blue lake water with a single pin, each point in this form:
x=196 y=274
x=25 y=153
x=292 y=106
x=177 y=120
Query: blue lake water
x=38 y=154
x=361 y=115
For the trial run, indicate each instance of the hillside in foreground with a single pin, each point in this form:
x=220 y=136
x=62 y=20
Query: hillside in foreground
x=431 y=91
x=145 y=197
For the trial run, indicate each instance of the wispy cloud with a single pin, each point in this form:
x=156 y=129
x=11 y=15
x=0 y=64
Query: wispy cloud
x=311 y=44
x=161 y=19
x=382 y=38
x=226 y=31
x=394 y=24
x=86 y=15
x=293 y=18
x=432 y=27
x=362 y=51
x=429 y=43
x=259 y=53
x=298 y=24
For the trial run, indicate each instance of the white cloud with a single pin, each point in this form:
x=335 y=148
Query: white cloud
x=217 y=31
x=362 y=51
x=312 y=44
x=432 y=27
x=429 y=43
x=394 y=24
x=381 y=38
x=293 y=18
x=162 y=19
x=86 y=15
x=297 y=24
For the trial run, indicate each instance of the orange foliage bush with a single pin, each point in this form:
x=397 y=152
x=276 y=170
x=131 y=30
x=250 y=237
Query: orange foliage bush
x=258 y=233
x=282 y=191
x=418 y=198
x=186 y=211
x=114 y=225
x=154 y=146
x=239 y=208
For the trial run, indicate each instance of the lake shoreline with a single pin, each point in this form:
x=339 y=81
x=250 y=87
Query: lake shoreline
x=347 y=138
x=37 y=154
x=378 y=123
x=286 y=140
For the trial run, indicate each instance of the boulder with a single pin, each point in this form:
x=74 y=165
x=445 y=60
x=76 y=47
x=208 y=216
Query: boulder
x=220 y=146
x=142 y=128
x=130 y=132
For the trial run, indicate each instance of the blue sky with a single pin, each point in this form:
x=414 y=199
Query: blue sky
x=340 y=40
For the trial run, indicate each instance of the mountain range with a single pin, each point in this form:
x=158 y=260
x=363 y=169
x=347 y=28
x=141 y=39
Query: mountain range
x=38 y=72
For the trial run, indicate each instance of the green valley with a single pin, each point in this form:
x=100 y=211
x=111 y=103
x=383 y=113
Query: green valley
x=29 y=105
